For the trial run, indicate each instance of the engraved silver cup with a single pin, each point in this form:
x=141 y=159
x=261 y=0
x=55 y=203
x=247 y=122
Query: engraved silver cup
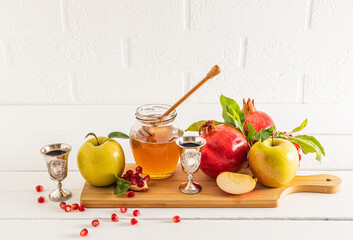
x=190 y=159
x=56 y=156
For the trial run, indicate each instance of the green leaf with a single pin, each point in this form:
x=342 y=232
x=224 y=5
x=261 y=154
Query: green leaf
x=309 y=144
x=251 y=133
x=118 y=135
x=236 y=124
x=301 y=127
x=232 y=113
x=196 y=125
x=122 y=186
x=264 y=134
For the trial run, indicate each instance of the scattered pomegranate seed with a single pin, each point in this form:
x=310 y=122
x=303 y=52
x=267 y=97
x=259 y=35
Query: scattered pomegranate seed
x=95 y=223
x=136 y=213
x=84 y=232
x=123 y=209
x=68 y=208
x=81 y=208
x=133 y=221
x=39 y=188
x=131 y=194
x=146 y=178
x=140 y=184
x=74 y=206
x=115 y=218
x=41 y=199
x=63 y=205
x=138 y=169
x=176 y=219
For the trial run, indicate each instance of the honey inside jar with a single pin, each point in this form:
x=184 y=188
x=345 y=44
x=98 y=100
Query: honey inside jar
x=152 y=141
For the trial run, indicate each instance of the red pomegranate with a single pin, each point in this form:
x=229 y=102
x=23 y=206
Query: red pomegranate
x=256 y=118
x=226 y=149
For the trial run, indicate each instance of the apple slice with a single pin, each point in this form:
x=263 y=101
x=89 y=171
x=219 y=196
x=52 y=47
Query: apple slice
x=236 y=183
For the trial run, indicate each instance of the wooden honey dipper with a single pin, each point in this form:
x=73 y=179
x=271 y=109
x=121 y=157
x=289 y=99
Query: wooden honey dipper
x=215 y=70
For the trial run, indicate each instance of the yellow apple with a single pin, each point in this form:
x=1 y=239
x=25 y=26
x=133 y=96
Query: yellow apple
x=274 y=163
x=100 y=162
x=236 y=183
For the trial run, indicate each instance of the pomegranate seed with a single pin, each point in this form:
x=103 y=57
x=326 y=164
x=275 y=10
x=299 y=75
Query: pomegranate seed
x=41 y=199
x=126 y=177
x=39 y=188
x=136 y=213
x=133 y=182
x=115 y=218
x=140 y=184
x=95 y=223
x=123 y=209
x=135 y=175
x=84 y=232
x=63 y=205
x=290 y=135
x=139 y=179
x=81 y=208
x=68 y=208
x=129 y=173
x=133 y=221
x=131 y=194
x=176 y=219
x=300 y=157
x=138 y=169
x=74 y=206
x=146 y=178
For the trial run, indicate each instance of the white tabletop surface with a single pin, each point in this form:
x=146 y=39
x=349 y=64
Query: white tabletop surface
x=25 y=129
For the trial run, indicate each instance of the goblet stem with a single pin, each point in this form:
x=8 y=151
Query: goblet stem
x=60 y=185
x=190 y=177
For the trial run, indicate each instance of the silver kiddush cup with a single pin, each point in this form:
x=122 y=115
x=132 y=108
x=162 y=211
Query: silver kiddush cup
x=190 y=160
x=56 y=156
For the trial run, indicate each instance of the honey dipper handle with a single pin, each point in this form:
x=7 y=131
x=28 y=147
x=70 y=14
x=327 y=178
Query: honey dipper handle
x=215 y=70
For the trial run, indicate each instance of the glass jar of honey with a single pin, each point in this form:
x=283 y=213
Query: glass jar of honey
x=152 y=140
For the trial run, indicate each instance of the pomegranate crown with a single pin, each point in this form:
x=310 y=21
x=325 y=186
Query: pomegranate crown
x=249 y=106
x=207 y=127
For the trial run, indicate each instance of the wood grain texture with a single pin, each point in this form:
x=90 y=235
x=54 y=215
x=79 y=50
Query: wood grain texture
x=165 y=193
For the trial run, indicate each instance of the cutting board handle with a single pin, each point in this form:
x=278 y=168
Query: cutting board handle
x=321 y=183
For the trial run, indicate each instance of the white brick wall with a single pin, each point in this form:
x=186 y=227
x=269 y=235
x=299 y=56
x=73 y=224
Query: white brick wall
x=137 y=51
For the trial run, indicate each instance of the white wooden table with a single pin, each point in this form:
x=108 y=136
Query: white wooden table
x=25 y=129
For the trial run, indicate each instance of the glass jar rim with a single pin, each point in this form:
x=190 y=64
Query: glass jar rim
x=153 y=113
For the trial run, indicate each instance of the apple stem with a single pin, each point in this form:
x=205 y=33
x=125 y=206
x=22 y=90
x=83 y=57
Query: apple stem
x=273 y=138
x=94 y=135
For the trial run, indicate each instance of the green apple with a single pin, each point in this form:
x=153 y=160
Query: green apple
x=100 y=161
x=274 y=161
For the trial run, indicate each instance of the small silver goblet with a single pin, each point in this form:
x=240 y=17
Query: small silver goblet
x=190 y=159
x=56 y=156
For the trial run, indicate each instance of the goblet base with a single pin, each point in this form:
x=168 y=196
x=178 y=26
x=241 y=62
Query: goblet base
x=60 y=195
x=190 y=187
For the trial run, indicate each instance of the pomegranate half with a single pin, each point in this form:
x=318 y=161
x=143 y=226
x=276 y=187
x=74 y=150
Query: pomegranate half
x=226 y=149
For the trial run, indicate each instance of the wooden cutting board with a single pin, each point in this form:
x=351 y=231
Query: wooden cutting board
x=165 y=193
